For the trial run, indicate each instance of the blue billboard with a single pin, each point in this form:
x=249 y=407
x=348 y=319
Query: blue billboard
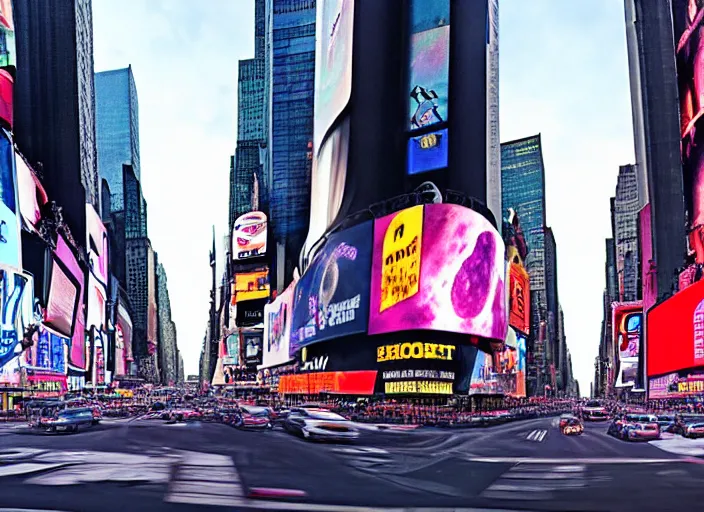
x=332 y=297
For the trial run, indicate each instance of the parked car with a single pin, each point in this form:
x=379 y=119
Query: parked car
x=318 y=424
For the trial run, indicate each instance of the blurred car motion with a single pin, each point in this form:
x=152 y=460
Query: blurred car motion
x=70 y=420
x=318 y=424
x=594 y=411
x=571 y=425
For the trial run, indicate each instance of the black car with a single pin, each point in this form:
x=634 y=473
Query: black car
x=70 y=420
x=667 y=422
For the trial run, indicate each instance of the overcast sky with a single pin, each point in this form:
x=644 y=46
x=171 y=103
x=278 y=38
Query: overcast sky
x=563 y=74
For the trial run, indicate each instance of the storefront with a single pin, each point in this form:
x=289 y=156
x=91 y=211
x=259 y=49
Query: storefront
x=365 y=366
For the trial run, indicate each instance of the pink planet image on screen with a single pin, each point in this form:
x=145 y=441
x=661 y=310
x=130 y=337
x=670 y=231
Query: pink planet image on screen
x=470 y=289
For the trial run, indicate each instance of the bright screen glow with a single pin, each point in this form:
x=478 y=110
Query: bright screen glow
x=31 y=193
x=252 y=285
x=63 y=302
x=77 y=352
x=440 y=267
x=249 y=236
x=277 y=328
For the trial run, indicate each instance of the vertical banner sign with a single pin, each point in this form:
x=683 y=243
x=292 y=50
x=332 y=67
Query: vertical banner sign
x=699 y=334
x=401 y=257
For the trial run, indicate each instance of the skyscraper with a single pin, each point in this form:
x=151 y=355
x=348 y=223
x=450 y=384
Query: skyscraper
x=117 y=129
x=523 y=189
x=55 y=101
x=654 y=100
x=626 y=207
x=290 y=73
x=553 y=342
x=168 y=349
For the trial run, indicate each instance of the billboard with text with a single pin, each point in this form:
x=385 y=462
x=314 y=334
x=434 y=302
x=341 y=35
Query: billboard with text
x=331 y=299
x=438 y=267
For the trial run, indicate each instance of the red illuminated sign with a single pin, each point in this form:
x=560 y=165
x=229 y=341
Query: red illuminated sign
x=343 y=383
x=519 y=300
x=675 y=332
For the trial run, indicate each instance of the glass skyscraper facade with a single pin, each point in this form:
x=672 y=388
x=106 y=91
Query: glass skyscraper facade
x=291 y=77
x=117 y=129
x=523 y=189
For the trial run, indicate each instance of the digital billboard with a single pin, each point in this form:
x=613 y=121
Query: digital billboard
x=521 y=365
x=427 y=152
x=48 y=353
x=32 y=195
x=16 y=305
x=77 y=350
x=331 y=299
x=688 y=17
x=343 y=383
x=231 y=349
x=277 y=328
x=249 y=236
x=7 y=84
x=63 y=300
x=333 y=63
x=327 y=183
x=519 y=297
x=627 y=321
x=252 y=341
x=250 y=312
x=8 y=57
x=438 y=267
x=123 y=333
x=485 y=380
x=417 y=367
x=675 y=337
x=9 y=223
x=251 y=286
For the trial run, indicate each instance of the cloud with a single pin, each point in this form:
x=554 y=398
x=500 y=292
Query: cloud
x=184 y=57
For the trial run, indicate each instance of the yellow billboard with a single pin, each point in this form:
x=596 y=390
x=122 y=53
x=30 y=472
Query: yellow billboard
x=252 y=285
x=400 y=265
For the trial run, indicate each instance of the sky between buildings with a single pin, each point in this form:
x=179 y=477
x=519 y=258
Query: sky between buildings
x=563 y=73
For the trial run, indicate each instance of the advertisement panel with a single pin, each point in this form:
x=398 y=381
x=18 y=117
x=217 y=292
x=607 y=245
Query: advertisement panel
x=48 y=354
x=9 y=221
x=277 y=328
x=519 y=298
x=675 y=336
x=331 y=299
x=8 y=57
x=688 y=18
x=251 y=286
x=7 y=108
x=32 y=195
x=627 y=321
x=231 y=349
x=124 y=332
x=250 y=312
x=249 y=236
x=16 y=306
x=438 y=267
x=343 y=383
x=485 y=380
x=417 y=367
x=63 y=299
x=333 y=63
x=77 y=350
x=521 y=370
x=252 y=341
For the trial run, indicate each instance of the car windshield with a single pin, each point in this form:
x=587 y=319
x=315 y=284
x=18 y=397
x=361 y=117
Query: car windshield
x=325 y=415
x=593 y=404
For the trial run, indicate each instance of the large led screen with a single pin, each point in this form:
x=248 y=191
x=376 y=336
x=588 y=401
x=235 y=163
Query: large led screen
x=675 y=333
x=429 y=62
x=333 y=63
x=252 y=341
x=521 y=373
x=7 y=84
x=427 y=152
x=32 y=195
x=277 y=328
x=485 y=380
x=327 y=183
x=688 y=17
x=9 y=222
x=439 y=267
x=15 y=311
x=124 y=329
x=252 y=285
x=249 y=236
x=231 y=349
x=48 y=353
x=77 y=350
x=627 y=321
x=8 y=57
x=331 y=298
x=342 y=383
x=519 y=298
x=250 y=312
x=63 y=299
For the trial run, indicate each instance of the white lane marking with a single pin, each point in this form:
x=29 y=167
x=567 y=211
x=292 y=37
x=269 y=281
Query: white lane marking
x=531 y=482
x=24 y=468
x=595 y=460
x=537 y=435
x=680 y=446
x=360 y=450
x=194 y=483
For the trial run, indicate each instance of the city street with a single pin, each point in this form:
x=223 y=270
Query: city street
x=529 y=465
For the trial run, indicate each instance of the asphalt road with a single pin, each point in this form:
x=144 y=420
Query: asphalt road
x=149 y=465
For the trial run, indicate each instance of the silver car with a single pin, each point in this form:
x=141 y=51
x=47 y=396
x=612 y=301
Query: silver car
x=316 y=424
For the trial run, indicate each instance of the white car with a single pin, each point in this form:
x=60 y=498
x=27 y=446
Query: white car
x=316 y=424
